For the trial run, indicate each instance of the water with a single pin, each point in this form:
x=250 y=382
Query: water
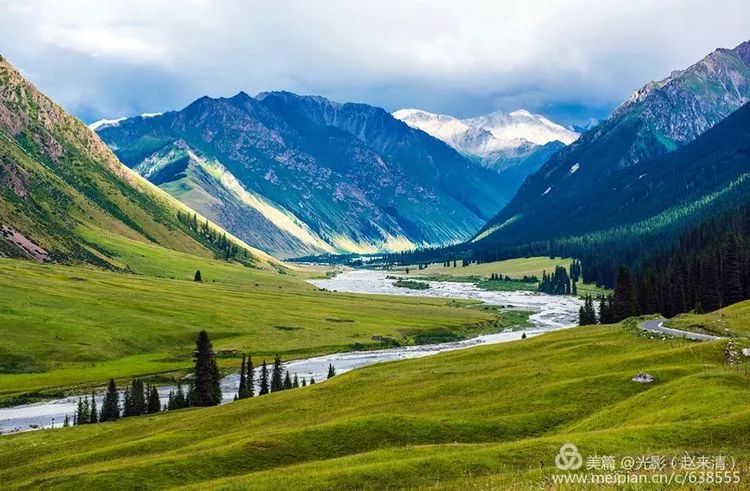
x=551 y=312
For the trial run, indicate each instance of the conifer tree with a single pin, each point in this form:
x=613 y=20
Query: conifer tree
x=242 y=390
x=277 y=382
x=624 y=304
x=206 y=384
x=93 y=414
x=331 y=370
x=197 y=276
x=66 y=422
x=111 y=403
x=135 y=399
x=263 y=379
x=295 y=383
x=82 y=411
x=732 y=271
x=287 y=381
x=304 y=382
x=312 y=380
x=180 y=401
x=154 y=404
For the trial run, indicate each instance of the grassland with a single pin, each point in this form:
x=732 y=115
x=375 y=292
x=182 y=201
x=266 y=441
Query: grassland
x=491 y=417
x=67 y=327
x=730 y=321
x=516 y=269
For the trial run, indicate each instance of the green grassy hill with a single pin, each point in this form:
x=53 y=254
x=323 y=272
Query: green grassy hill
x=488 y=417
x=67 y=327
x=60 y=186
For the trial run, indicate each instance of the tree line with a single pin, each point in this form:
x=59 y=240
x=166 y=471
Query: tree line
x=204 y=389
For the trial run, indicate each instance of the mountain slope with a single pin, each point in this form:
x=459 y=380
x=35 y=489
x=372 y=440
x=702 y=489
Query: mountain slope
x=302 y=175
x=657 y=119
x=61 y=188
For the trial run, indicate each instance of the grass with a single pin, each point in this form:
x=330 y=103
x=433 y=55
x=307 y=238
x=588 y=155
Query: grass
x=411 y=284
x=68 y=327
x=487 y=417
x=729 y=321
x=516 y=269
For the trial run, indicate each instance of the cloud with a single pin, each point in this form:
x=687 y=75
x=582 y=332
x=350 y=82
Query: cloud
x=572 y=59
x=104 y=43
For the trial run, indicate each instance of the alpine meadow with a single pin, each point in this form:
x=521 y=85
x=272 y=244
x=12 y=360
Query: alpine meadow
x=396 y=245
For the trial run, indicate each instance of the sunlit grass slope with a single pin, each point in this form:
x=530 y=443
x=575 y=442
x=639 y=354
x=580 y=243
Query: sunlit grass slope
x=490 y=417
x=64 y=326
x=729 y=321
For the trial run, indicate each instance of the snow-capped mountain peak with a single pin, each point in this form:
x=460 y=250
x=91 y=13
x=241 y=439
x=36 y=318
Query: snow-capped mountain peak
x=485 y=136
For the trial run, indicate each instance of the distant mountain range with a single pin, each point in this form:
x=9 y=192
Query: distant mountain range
x=600 y=182
x=297 y=175
x=65 y=197
x=514 y=144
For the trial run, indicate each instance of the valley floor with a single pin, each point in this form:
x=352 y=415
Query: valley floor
x=68 y=328
x=487 y=417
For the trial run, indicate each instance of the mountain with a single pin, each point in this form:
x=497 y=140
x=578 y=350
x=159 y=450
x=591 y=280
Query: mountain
x=515 y=144
x=299 y=175
x=657 y=119
x=65 y=197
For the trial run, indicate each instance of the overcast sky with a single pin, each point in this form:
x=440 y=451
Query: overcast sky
x=570 y=60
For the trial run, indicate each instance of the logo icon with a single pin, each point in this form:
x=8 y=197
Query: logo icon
x=568 y=458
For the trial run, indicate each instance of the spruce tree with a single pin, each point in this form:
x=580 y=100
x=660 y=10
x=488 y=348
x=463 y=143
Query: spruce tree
x=732 y=272
x=93 y=414
x=277 y=381
x=331 y=370
x=287 y=381
x=710 y=296
x=180 y=401
x=197 y=276
x=111 y=403
x=82 y=416
x=263 y=379
x=242 y=389
x=206 y=388
x=66 y=422
x=154 y=404
x=135 y=400
x=624 y=304
x=295 y=383
x=304 y=382
x=312 y=380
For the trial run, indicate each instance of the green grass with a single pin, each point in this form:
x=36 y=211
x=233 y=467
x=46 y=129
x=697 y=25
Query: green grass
x=516 y=269
x=730 y=321
x=488 y=417
x=66 y=326
x=411 y=284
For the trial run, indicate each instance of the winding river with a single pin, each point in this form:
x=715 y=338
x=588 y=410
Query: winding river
x=549 y=313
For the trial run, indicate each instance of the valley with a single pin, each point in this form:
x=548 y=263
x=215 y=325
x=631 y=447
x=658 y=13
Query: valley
x=313 y=288
x=491 y=415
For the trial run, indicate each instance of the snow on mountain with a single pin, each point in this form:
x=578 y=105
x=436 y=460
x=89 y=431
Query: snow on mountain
x=108 y=123
x=486 y=136
x=524 y=125
x=105 y=123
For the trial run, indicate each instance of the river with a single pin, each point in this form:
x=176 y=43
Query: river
x=550 y=312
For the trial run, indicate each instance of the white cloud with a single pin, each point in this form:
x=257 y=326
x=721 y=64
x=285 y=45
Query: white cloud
x=460 y=58
x=104 y=43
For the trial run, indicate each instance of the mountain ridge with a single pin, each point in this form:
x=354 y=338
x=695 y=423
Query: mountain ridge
x=352 y=176
x=656 y=119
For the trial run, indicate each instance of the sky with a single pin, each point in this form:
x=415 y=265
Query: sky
x=570 y=60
